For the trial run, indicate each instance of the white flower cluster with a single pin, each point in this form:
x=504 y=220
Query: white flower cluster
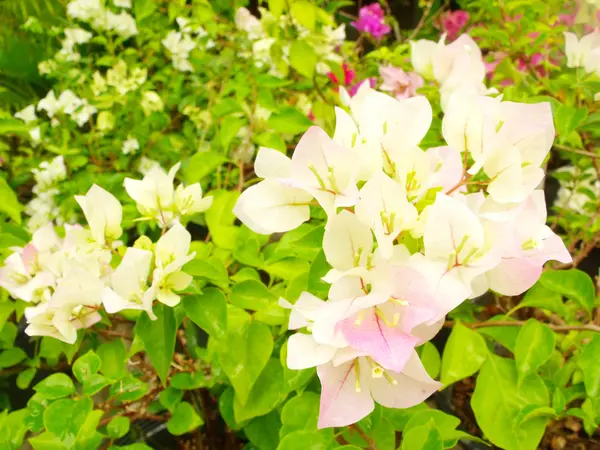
x=157 y=199
x=410 y=233
x=68 y=281
x=69 y=104
x=584 y=53
x=579 y=189
x=100 y=18
x=120 y=77
x=73 y=37
x=181 y=43
x=457 y=67
x=325 y=40
x=28 y=116
x=43 y=208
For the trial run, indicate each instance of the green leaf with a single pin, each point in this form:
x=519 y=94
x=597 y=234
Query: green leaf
x=270 y=140
x=573 y=284
x=46 y=441
x=226 y=107
x=303 y=440
x=265 y=394
x=143 y=9
x=170 y=397
x=463 y=355
x=87 y=436
x=430 y=357
x=10 y=204
x=57 y=416
x=113 y=355
x=13 y=126
x=535 y=345
x=118 y=427
x=13 y=428
x=540 y=296
x=220 y=218
x=10 y=240
x=504 y=335
x=189 y=381
x=158 y=337
x=568 y=118
x=95 y=383
x=230 y=126
x=303 y=58
x=253 y=295
x=532 y=412
x=86 y=365
x=128 y=389
x=289 y=121
x=305 y=13
x=589 y=362
x=444 y=423
x=201 y=165
x=25 y=377
x=287 y=268
x=211 y=269
x=300 y=413
x=184 y=419
x=11 y=357
x=276 y=7
x=243 y=354
x=498 y=399
x=55 y=386
x=65 y=417
x=263 y=431
x=209 y=311
x=425 y=437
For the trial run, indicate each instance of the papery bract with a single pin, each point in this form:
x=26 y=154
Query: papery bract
x=350 y=389
x=103 y=213
x=129 y=284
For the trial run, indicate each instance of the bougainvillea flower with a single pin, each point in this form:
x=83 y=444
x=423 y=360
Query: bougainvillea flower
x=400 y=83
x=452 y=23
x=351 y=388
x=526 y=244
x=371 y=20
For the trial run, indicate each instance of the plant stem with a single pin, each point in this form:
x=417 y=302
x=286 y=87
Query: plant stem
x=520 y=323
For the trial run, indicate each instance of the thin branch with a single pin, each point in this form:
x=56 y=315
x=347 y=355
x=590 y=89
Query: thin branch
x=422 y=20
x=520 y=323
x=395 y=26
x=370 y=444
x=581 y=254
x=575 y=150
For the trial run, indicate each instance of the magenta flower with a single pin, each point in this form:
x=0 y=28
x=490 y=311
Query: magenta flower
x=354 y=89
x=371 y=20
x=453 y=22
x=349 y=75
x=400 y=83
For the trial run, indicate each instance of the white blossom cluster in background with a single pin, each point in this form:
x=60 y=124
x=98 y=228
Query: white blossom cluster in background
x=457 y=67
x=101 y=18
x=584 y=53
x=73 y=37
x=43 y=207
x=326 y=40
x=181 y=43
x=410 y=234
x=578 y=189
x=67 y=281
x=67 y=103
x=120 y=77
